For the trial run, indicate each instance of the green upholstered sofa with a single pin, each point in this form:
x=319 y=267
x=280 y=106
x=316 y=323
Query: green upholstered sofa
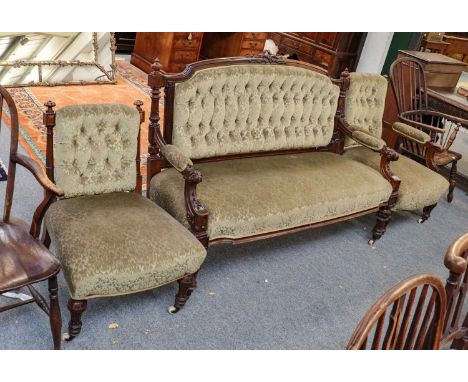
x=249 y=151
x=421 y=187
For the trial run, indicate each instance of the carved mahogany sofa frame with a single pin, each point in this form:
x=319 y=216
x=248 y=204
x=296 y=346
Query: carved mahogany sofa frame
x=197 y=214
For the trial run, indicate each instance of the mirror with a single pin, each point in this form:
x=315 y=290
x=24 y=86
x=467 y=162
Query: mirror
x=56 y=58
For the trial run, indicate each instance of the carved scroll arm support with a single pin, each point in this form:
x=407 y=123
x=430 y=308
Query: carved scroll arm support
x=197 y=215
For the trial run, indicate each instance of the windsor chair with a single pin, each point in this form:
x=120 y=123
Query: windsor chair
x=409 y=84
x=409 y=316
x=24 y=260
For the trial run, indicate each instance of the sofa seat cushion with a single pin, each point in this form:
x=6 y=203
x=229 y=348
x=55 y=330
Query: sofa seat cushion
x=420 y=186
x=119 y=243
x=252 y=196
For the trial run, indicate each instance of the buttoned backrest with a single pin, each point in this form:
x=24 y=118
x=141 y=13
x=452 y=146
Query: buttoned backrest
x=95 y=148
x=250 y=108
x=365 y=103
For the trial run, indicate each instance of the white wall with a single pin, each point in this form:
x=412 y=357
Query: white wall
x=374 y=52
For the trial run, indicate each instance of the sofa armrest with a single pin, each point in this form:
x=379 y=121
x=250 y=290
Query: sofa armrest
x=368 y=140
x=176 y=157
x=387 y=154
x=411 y=132
x=197 y=215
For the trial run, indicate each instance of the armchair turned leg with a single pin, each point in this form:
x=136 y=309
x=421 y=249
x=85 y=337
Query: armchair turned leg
x=383 y=217
x=55 y=317
x=186 y=286
x=453 y=181
x=76 y=308
x=426 y=213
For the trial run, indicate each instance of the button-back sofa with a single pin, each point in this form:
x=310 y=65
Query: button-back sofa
x=249 y=151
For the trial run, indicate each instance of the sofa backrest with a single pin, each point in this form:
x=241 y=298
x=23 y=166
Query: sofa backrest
x=95 y=148
x=236 y=109
x=365 y=103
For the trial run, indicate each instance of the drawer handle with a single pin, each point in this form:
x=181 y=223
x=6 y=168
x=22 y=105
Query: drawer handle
x=254 y=35
x=253 y=44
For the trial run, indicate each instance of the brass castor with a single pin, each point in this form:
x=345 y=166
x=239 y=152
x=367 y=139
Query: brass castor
x=172 y=309
x=371 y=242
x=67 y=337
x=421 y=220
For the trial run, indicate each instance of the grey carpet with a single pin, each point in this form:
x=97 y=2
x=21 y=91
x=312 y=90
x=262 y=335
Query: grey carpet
x=303 y=291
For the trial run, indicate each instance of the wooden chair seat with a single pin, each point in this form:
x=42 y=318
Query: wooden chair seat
x=446 y=157
x=23 y=259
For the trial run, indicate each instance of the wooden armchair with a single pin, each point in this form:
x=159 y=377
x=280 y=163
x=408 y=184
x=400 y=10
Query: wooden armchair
x=409 y=84
x=24 y=260
x=401 y=326
x=409 y=316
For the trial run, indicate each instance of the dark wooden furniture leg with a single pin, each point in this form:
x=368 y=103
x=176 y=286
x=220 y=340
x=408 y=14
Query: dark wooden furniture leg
x=76 y=308
x=186 y=286
x=426 y=213
x=453 y=181
x=54 y=313
x=383 y=217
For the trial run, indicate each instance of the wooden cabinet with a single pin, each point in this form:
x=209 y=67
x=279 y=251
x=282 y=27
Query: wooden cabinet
x=333 y=51
x=231 y=44
x=177 y=49
x=174 y=49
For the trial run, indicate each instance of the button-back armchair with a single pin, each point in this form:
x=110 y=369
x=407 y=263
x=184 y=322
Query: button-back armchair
x=420 y=187
x=24 y=260
x=409 y=84
x=111 y=240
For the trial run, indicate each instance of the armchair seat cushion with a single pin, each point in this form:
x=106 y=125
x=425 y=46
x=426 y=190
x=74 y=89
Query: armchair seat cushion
x=119 y=243
x=252 y=196
x=420 y=186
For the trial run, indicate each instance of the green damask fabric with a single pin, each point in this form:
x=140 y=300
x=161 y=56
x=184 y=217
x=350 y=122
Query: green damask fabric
x=411 y=132
x=368 y=140
x=95 y=148
x=249 y=108
x=119 y=243
x=419 y=186
x=251 y=196
x=176 y=157
x=365 y=102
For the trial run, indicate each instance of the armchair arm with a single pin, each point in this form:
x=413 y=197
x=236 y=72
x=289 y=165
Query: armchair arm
x=368 y=140
x=176 y=157
x=38 y=173
x=411 y=132
x=454 y=260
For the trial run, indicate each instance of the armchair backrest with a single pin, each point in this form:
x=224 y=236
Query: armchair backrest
x=408 y=316
x=409 y=84
x=96 y=148
x=365 y=103
x=6 y=98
